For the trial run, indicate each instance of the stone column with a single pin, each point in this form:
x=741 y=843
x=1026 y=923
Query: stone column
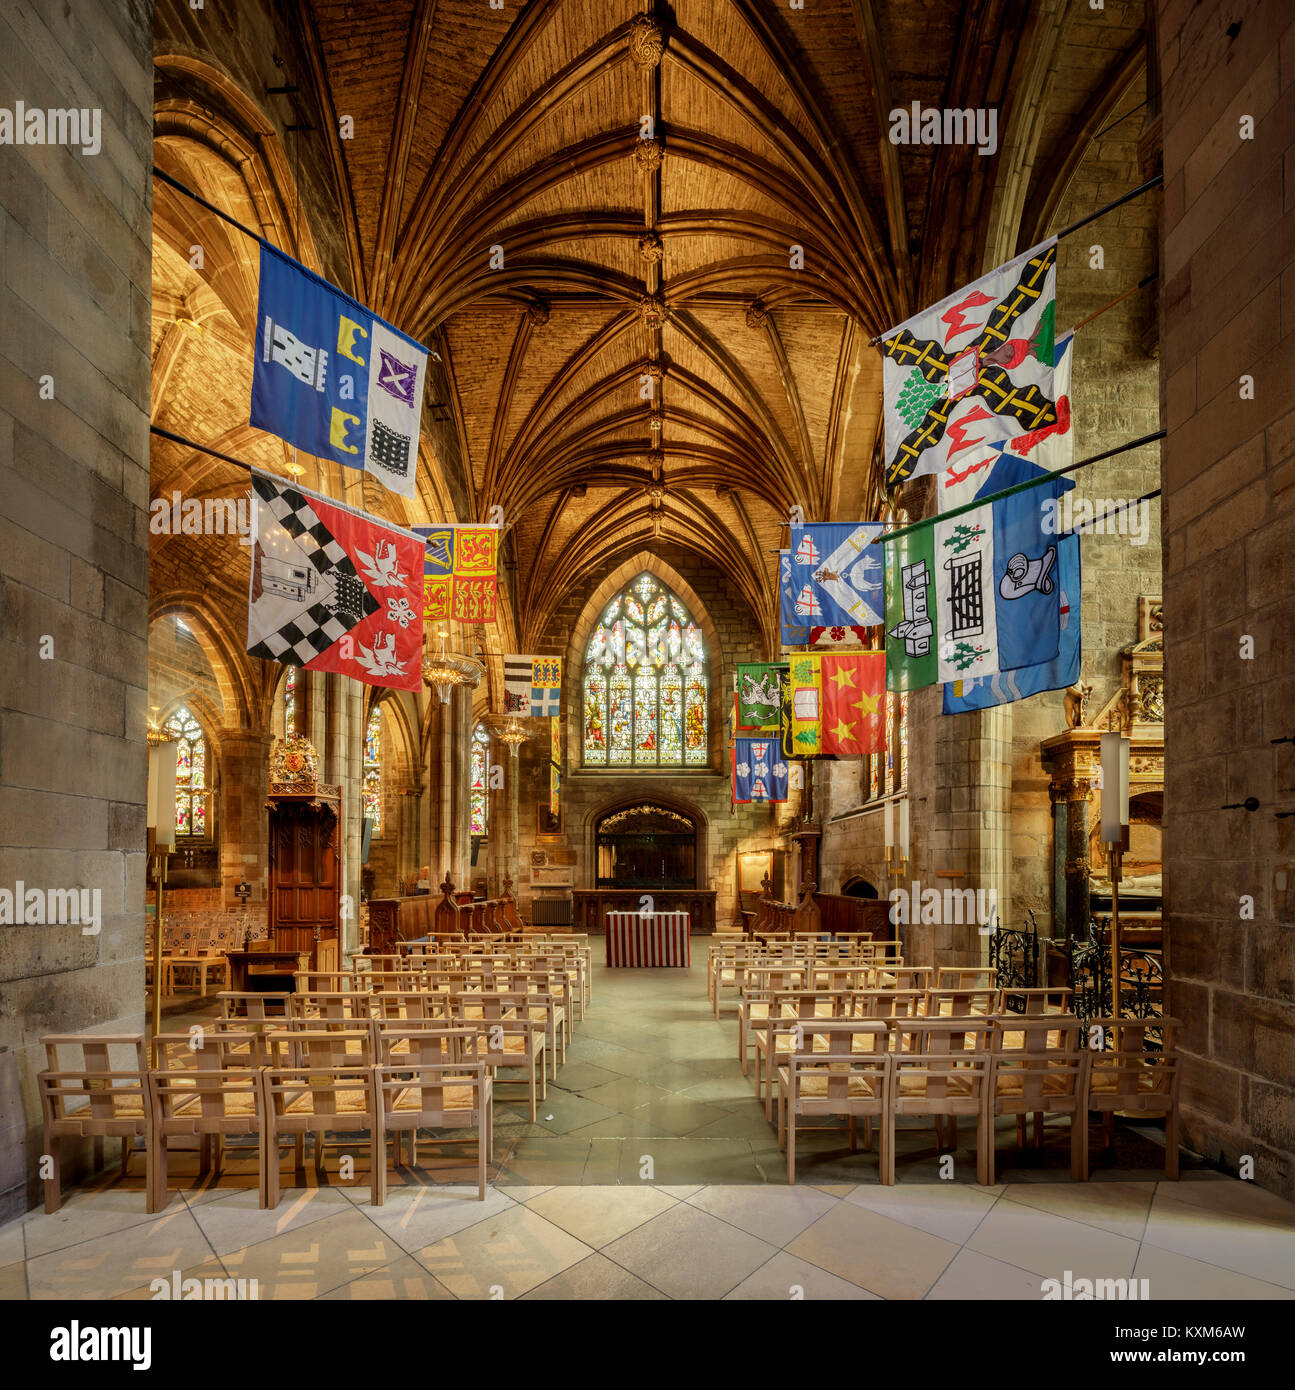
x=243 y=823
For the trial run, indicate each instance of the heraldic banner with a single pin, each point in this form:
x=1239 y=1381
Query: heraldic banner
x=533 y=686
x=854 y=703
x=836 y=574
x=974 y=370
x=759 y=772
x=758 y=700
x=460 y=568
x=973 y=593
x=333 y=378
x=980 y=692
x=334 y=589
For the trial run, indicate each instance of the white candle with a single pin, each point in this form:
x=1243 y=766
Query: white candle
x=161 y=792
x=1115 y=787
x=890 y=824
x=903 y=827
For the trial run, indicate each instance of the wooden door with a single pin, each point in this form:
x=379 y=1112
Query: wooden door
x=304 y=878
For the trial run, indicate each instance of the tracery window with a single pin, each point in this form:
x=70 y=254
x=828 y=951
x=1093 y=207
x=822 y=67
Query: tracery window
x=371 y=796
x=191 y=782
x=645 y=683
x=479 y=782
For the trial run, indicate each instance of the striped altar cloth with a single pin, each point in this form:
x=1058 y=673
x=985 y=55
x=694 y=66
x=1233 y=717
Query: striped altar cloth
x=645 y=939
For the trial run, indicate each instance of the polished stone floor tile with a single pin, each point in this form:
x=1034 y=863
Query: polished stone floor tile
x=1170 y=1276
x=596 y=1279
x=973 y=1276
x=883 y=1256
x=1049 y=1245
x=775 y=1214
x=949 y=1210
x=404 y=1279
x=786 y=1278
x=687 y=1253
x=504 y=1257
x=598 y=1215
x=312 y=1260
x=1121 y=1207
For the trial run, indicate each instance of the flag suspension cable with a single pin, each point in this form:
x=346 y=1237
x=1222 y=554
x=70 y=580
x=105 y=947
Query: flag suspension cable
x=201 y=448
x=1119 y=299
x=269 y=245
x=1022 y=487
x=1137 y=192
x=1008 y=491
x=1110 y=511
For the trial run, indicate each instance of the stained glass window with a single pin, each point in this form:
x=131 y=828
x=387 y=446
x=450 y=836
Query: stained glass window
x=190 y=774
x=371 y=797
x=645 y=683
x=480 y=781
x=289 y=701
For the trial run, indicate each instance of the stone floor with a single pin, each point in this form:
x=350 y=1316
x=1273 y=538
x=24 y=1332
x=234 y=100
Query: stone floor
x=1206 y=1236
x=653 y=1174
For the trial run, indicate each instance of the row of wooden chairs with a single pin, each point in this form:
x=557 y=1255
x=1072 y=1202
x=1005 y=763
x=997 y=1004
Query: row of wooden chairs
x=977 y=1068
x=426 y=1043
x=277 y=1085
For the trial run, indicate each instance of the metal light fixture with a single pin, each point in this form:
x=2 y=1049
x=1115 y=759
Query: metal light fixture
x=512 y=732
x=447 y=669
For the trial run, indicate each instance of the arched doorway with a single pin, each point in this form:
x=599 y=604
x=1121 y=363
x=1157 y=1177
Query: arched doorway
x=647 y=845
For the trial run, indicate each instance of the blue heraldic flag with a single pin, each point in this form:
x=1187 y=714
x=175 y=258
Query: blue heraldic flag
x=759 y=771
x=795 y=630
x=836 y=574
x=333 y=378
x=1025 y=678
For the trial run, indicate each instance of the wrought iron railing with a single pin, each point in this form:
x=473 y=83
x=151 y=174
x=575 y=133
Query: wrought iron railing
x=1141 y=981
x=1014 y=954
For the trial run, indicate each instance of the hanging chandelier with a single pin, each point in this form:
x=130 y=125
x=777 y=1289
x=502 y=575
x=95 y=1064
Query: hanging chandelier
x=512 y=732
x=447 y=669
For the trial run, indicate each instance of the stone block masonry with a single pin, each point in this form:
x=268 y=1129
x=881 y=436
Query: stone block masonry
x=75 y=256
x=1228 y=264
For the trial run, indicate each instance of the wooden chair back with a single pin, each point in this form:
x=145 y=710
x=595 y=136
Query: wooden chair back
x=957 y=1003
x=255 y=1005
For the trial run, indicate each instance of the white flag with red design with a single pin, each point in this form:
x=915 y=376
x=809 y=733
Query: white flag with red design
x=334 y=589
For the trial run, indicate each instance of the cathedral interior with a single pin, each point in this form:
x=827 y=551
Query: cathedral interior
x=650 y=254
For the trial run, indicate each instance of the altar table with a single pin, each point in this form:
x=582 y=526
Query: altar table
x=648 y=939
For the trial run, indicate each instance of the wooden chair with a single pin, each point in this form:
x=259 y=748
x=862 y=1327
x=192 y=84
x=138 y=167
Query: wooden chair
x=1038 y=1066
x=354 y=1006
x=320 y=1081
x=775 y=1038
x=211 y=1093
x=835 y=1067
x=939 y=1068
x=1032 y=1003
x=257 y=1005
x=196 y=957
x=90 y=1098
x=415 y=1008
x=510 y=1038
x=1129 y=1077
x=887 y=953
x=330 y=981
x=432 y=1078
x=959 y=1003
x=966 y=977
x=887 y=1003
x=545 y=1005
x=901 y=977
